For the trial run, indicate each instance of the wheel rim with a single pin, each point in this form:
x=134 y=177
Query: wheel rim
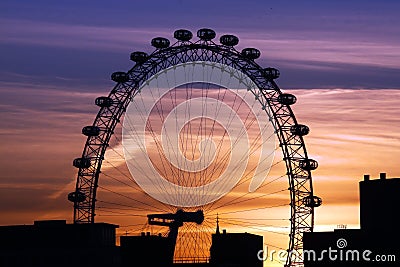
x=297 y=165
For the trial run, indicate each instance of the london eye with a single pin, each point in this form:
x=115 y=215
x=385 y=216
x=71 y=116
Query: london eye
x=194 y=137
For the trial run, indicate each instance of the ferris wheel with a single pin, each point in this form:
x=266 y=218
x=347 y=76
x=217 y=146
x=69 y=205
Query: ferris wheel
x=199 y=132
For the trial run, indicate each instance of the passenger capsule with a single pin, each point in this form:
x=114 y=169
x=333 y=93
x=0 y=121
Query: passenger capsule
x=229 y=40
x=120 y=77
x=103 y=101
x=91 y=130
x=81 y=163
x=299 y=129
x=206 y=34
x=287 y=99
x=251 y=53
x=160 y=42
x=308 y=164
x=76 y=197
x=138 y=56
x=183 y=35
x=312 y=201
x=272 y=73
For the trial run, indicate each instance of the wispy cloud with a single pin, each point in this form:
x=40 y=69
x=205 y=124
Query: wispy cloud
x=295 y=47
x=116 y=39
x=353 y=132
x=301 y=46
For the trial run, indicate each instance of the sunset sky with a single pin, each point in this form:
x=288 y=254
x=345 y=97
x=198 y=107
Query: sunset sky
x=340 y=58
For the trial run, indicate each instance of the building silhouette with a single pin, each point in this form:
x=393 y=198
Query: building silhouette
x=56 y=243
x=376 y=243
x=235 y=249
x=148 y=248
x=227 y=249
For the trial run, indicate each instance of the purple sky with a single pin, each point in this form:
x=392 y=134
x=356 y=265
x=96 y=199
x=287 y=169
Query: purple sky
x=349 y=44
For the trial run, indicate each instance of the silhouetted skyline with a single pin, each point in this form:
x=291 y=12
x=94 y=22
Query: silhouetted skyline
x=374 y=243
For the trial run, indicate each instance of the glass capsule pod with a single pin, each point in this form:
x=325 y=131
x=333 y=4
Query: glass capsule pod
x=229 y=40
x=160 y=42
x=287 y=99
x=312 y=201
x=183 y=35
x=299 y=130
x=272 y=73
x=206 y=34
x=308 y=164
x=81 y=163
x=138 y=56
x=120 y=77
x=103 y=101
x=91 y=130
x=76 y=197
x=251 y=53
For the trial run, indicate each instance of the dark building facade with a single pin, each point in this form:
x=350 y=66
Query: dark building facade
x=56 y=243
x=235 y=250
x=227 y=250
x=379 y=203
x=376 y=243
x=152 y=249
